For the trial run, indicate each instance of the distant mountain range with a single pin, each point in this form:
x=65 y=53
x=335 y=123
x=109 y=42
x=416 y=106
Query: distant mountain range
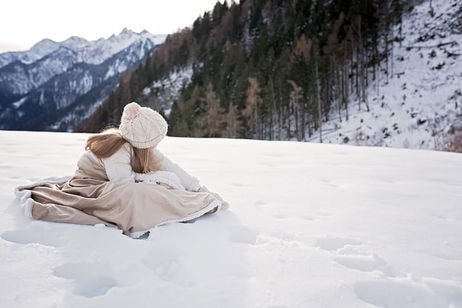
x=56 y=85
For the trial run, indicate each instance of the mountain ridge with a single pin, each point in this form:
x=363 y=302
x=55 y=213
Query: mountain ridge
x=46 y=45
x=32 y=94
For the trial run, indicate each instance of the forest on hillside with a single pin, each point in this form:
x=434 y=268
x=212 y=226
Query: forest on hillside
x=268 y=69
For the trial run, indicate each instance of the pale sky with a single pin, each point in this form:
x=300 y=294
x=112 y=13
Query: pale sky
x=25 y=22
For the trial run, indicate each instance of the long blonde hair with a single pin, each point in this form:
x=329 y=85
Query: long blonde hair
x=109 y=141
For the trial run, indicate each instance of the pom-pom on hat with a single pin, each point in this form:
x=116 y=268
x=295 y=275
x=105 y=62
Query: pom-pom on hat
x=143 y=127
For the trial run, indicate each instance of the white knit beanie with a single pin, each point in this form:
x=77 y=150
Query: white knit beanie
x=143 y=127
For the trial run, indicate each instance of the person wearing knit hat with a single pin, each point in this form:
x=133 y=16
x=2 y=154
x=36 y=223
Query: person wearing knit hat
x=142 y=126
x=123 y=180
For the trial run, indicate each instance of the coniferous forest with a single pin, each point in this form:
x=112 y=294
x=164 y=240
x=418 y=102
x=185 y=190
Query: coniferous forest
x=267 y=69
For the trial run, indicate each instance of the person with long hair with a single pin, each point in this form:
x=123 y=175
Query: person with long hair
x=123 y=180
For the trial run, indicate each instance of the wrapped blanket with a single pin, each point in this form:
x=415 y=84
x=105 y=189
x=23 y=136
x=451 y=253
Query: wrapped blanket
x=88 y=197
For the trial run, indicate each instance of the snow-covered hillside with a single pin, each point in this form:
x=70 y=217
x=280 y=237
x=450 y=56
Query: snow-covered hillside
x=419 y=103
x=309 y=225
x=161 y=94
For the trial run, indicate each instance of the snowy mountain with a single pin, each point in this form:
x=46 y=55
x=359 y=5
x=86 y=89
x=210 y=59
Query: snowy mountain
x=418 y=102
x=18 y=78
x=93 y=52
x=69 y=70
x=39 y=50
x=309 y=225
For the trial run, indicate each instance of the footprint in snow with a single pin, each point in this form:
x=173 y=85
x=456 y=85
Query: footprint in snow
x=242 y=234
x=323 y=214
x=280 y=238
x=347 y=253
x=409 y=294
x=335 y=243
x=260 y=204
x=90 y=279
x=279 y=215
x=365 y=263
x=165 y=261
x=34 y=233
x=327 y=182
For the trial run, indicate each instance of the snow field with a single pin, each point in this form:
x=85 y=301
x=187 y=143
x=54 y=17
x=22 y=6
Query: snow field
x=309 y=225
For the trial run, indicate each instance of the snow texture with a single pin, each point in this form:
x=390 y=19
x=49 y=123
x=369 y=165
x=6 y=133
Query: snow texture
x=309 y=225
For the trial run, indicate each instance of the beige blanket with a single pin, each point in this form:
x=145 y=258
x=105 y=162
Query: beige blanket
x=90 y=198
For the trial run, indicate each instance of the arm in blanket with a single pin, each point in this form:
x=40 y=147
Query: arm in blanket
x=190 y=182
x=118 y=168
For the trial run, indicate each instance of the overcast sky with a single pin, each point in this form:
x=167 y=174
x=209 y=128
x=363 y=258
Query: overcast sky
x=25 y=22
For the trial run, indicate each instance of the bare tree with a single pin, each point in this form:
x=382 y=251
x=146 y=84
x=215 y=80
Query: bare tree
x=295 y=100
x=232 y=121
x=318 y=98
x=213 y=118
x=253 y=102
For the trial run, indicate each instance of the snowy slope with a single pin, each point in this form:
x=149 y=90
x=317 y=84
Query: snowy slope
x=419 y=104
x=161 y=94
x=310 y=225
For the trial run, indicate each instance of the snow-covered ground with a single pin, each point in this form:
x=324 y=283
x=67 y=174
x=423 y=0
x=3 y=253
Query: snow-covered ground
x=419 y=104
x=309 y=225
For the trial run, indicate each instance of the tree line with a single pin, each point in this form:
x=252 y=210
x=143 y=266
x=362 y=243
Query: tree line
x=268 y=69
